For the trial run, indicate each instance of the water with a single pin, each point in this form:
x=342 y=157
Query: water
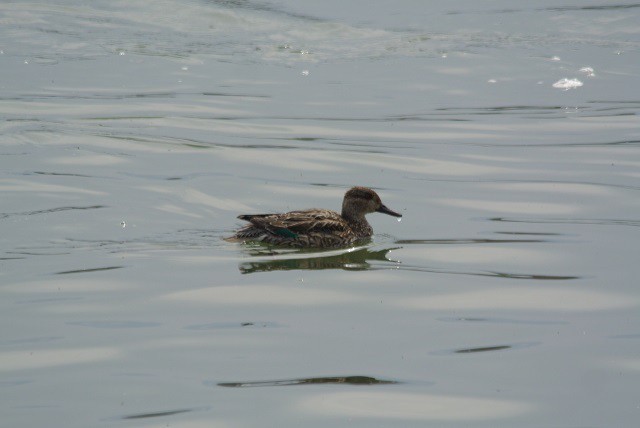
x=134 y=133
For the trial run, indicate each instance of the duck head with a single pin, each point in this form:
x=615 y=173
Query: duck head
x=359 y=201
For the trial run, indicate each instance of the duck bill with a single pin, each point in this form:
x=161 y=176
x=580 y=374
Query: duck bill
x=385 y=210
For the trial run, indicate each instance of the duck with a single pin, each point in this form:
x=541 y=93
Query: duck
x=317 y=228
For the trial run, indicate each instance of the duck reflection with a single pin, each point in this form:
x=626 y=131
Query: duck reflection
x=356 y=258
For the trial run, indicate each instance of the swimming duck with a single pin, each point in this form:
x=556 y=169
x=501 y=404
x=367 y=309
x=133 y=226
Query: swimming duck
x=317 y=227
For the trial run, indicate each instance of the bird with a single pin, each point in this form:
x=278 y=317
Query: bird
x=316 y=228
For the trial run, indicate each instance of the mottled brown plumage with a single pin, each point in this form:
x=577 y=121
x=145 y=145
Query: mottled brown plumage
x=317 y=227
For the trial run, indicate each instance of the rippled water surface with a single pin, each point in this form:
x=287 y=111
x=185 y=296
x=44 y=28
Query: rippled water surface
x=134 y=132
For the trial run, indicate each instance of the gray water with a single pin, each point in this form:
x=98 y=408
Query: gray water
x=134 y=132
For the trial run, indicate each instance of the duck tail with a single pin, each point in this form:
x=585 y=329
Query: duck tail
x=249 y=217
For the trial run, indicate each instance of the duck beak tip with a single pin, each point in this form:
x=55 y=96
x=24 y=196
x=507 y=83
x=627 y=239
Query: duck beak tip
x=383 y=209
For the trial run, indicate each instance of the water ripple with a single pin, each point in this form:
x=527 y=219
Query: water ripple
x=588 y=221
x=348 y=380
x=489 y=348
x=51 y=210
x=89 y=270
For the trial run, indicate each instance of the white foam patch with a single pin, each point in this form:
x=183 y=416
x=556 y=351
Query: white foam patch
x=588 y=71
x=567 y=84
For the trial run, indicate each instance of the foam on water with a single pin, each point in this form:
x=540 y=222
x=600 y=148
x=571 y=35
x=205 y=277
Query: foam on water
x=567 y=84
x=588 y=71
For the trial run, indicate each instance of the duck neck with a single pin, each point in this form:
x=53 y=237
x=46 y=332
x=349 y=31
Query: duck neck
x=358 y=223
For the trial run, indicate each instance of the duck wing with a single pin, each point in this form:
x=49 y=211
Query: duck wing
x=294 y=223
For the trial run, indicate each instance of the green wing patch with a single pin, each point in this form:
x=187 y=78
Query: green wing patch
x=284 y=232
